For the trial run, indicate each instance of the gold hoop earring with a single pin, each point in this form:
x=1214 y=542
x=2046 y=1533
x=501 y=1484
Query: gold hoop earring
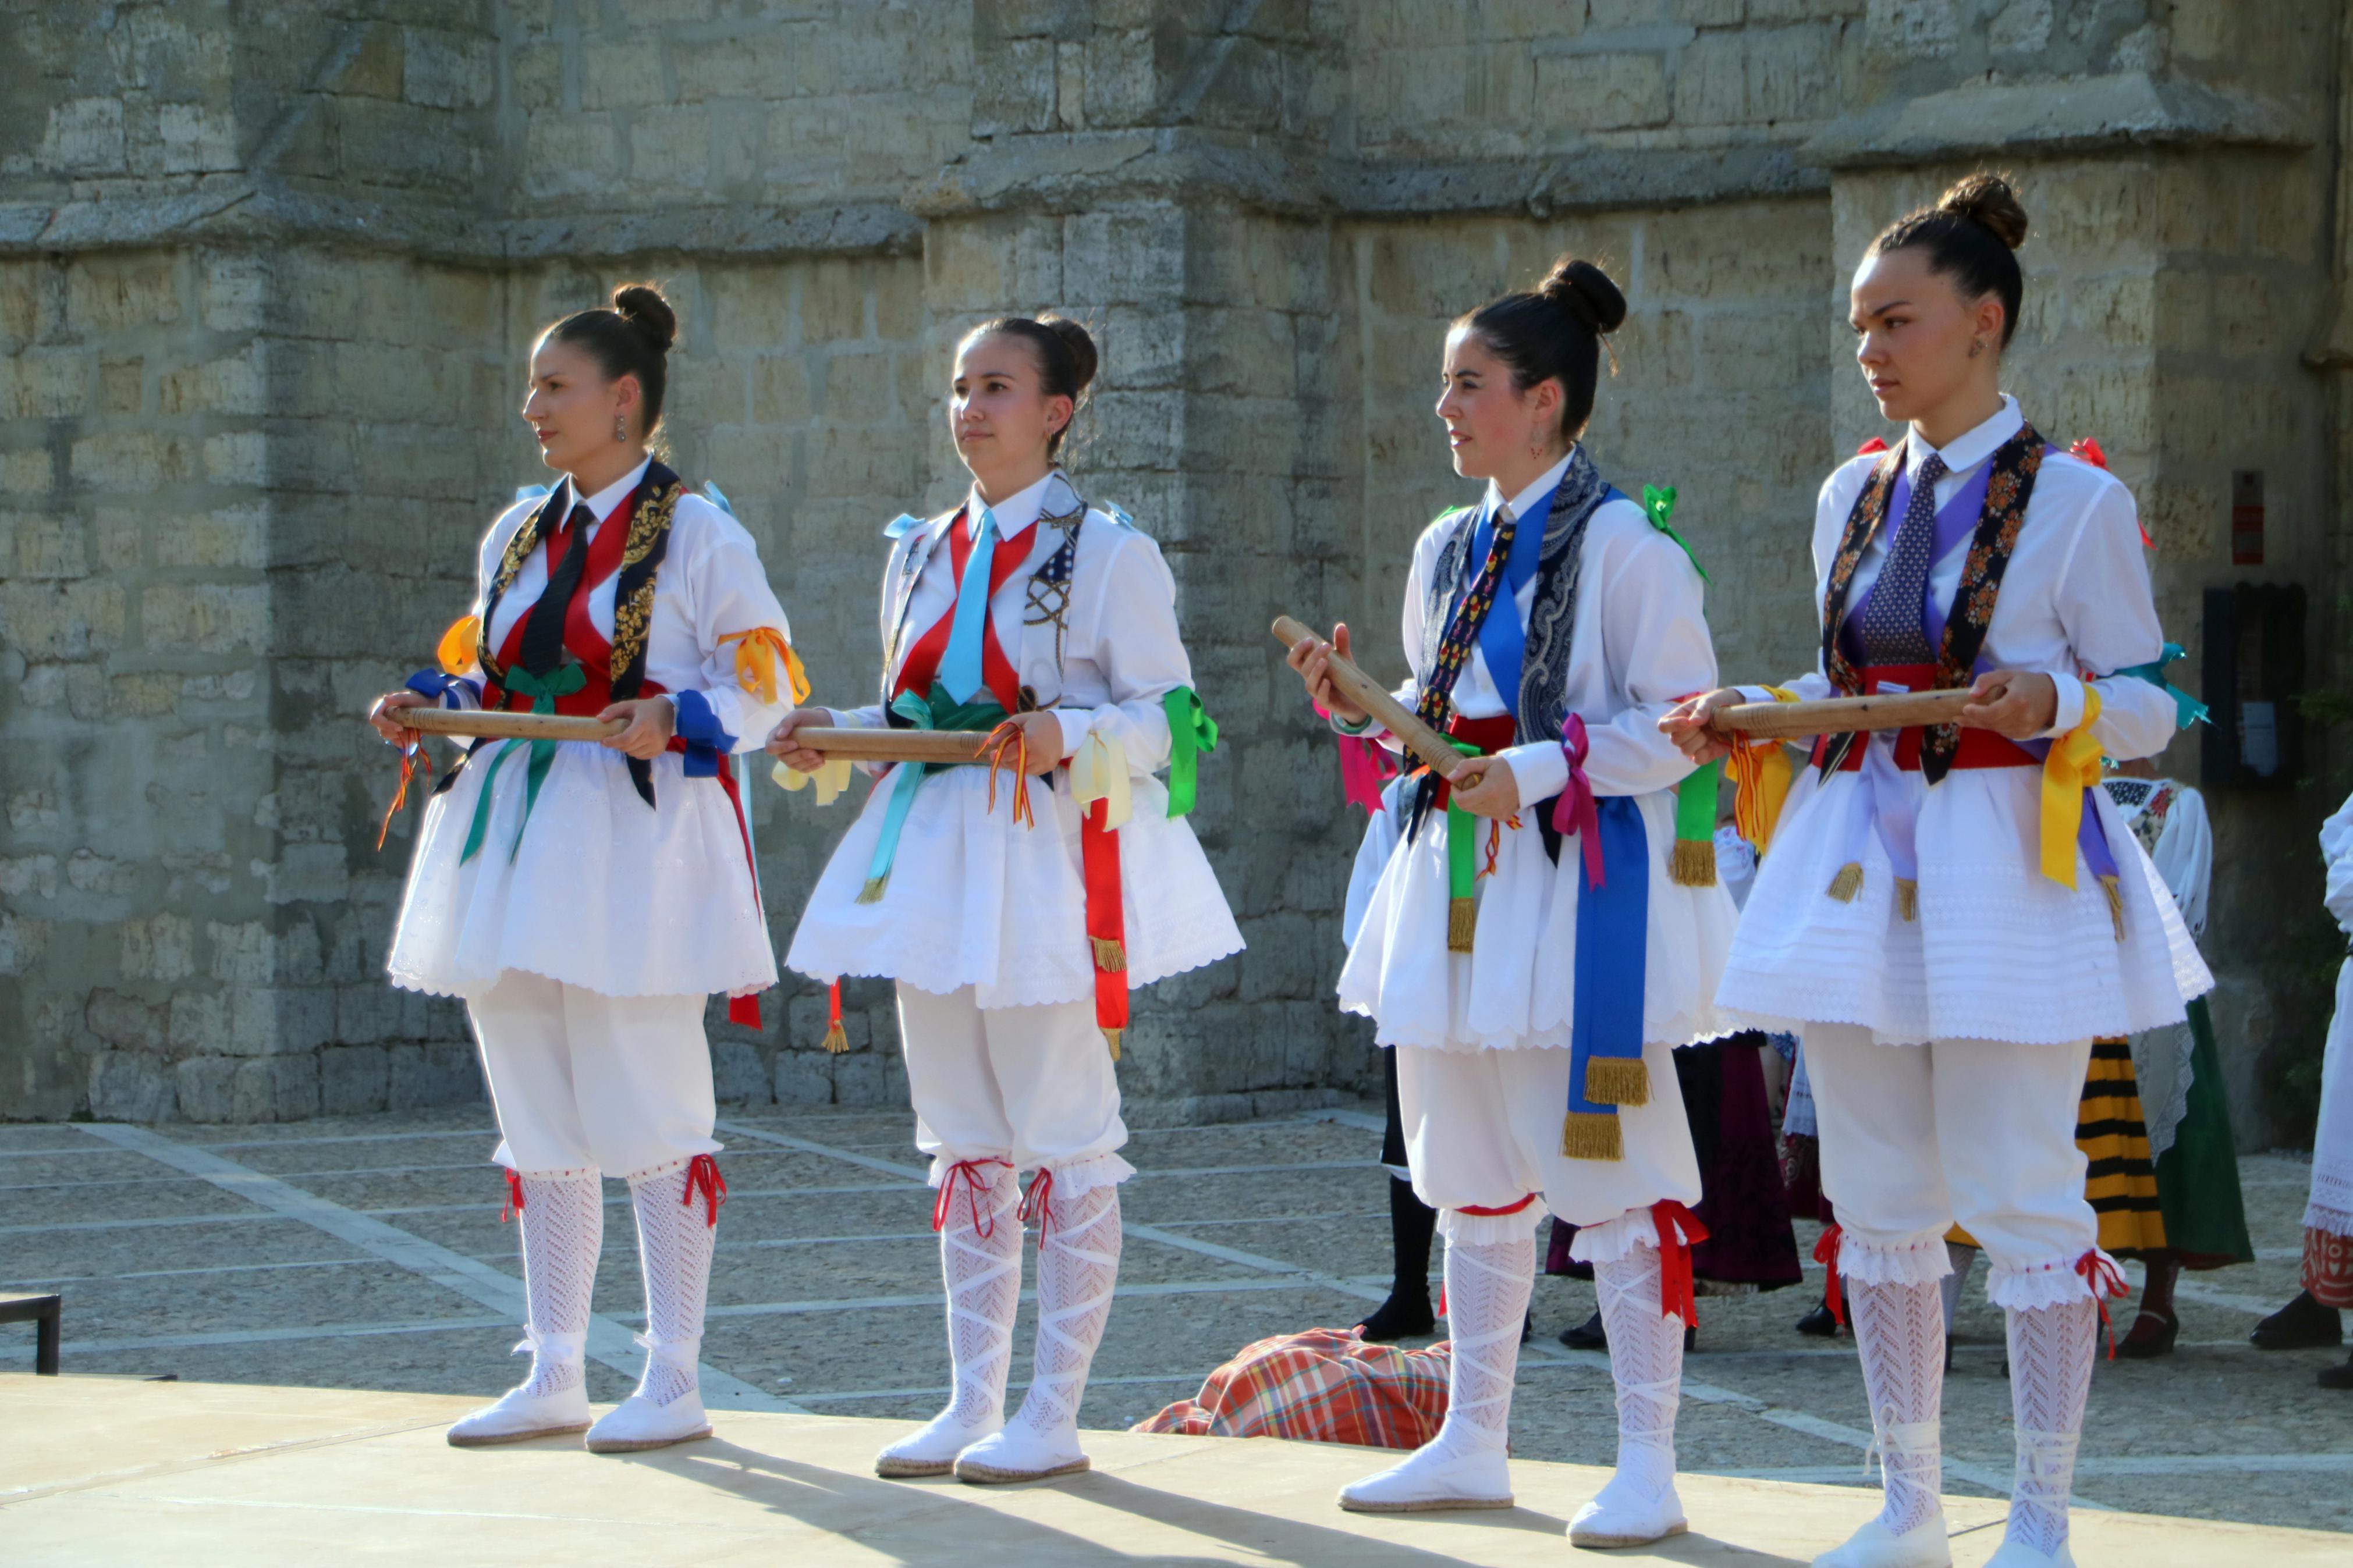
x=620 y=429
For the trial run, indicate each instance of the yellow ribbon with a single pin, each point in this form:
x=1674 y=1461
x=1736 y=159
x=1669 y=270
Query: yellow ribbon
x=1760 y=773
x=758 y=652
x=455 y=652
x=2073 y=767
x=1099 y=772
x=830 y=780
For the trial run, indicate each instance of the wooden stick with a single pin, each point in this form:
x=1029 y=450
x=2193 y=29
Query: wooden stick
x=852 y=745
x=896 y=745
x=1370 y=695
x=501 y=724
x=1841 y=715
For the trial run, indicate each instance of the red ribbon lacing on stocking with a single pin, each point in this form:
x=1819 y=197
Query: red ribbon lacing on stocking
x=703 y=1175
x=1678 y=1227
x=2106 y=1282
x=967 y=1171
x=1826 y=1252
x=1038 y=1202
x=513 y=1206
x=1482 y=1213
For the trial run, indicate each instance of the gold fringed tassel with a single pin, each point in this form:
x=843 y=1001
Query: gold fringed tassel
x=836 y=1041
x=1462 y=923
x=1617 y=1081
x=1907 y=898
x=2116 y=904
x=1111 y=1038
x=1847 y=883
x=872 y=892
x=1694 y=863
x=1592 y=1135
x=1111 y=957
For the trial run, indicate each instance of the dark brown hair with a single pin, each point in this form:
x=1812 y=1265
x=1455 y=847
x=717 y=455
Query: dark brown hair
x=1554 y=332
x=1066 y=360
x=1971 y=236
x=632 y=337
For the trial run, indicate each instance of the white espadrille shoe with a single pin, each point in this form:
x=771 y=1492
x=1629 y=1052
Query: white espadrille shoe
x=1433 y=1478
x=1628 y=1512
x=1924 y=1545
x=520 y=1416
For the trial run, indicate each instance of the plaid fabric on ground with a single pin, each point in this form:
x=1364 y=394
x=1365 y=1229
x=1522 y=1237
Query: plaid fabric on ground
x=1324 y=1385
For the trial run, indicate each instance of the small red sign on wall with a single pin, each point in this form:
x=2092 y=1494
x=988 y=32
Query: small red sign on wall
x=2247 y=516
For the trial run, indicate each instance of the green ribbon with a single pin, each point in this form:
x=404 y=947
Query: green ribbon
x=2187 y=709
x=1461 y=840
x=1695 y=805
x=941 y=712
x=565 y=679
x=1191 y=731
x=1659 y=501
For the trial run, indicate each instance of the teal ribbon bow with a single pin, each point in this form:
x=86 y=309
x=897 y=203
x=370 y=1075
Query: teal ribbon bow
x=940 y=712
x=1191 y=731
x=565 y=679
x=1659 y=501
x=2187 y=709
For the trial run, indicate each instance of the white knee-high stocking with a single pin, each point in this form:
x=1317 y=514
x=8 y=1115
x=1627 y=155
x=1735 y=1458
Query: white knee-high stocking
x=676 y=1235
x=1646 y=1363
x=2051 y=1354
x=1487 y=1287
x=563 y=1222
x=1077 y=1268
x=1900 y=1330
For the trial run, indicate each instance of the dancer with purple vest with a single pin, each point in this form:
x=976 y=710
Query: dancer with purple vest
x=1948 y=917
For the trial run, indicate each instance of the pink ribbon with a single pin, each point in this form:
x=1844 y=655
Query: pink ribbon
x=1366 y=765
x=1573 y=811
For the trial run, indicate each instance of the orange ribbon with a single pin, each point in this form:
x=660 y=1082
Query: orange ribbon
x=758 y=654
x=1009 y=737
x=455 y=652
x=409 y=759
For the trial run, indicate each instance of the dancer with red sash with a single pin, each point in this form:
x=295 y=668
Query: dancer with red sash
x=1542 y=936
x=585 y=901
x=1948 y=918
x=1017 y=907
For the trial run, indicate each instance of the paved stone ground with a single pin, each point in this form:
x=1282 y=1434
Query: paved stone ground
x=368 y=1253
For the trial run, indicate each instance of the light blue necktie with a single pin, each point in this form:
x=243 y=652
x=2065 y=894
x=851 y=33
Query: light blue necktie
x=960 y=666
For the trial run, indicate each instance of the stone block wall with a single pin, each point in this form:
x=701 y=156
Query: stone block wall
x=270 y=274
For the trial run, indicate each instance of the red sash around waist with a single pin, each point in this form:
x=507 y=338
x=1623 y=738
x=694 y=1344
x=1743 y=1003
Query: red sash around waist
x=1979 y=748
x=1490 y=734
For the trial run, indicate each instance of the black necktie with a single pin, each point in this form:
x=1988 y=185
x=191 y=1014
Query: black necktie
x=542 y=631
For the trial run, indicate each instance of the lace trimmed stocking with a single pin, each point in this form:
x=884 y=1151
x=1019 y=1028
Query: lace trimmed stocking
x=1487 y=1287
x=675 y=1237
x=1899 y=1331
x=980 y=1263
x=1646 y=1363
x=563 y=1222
x=2050 y=1354
x=1078 y=1265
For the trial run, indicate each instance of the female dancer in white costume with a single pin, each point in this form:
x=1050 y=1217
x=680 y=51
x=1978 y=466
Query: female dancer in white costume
x=585 y=901
x=1013 y=907
x=1949 y=917
x=1528 y=952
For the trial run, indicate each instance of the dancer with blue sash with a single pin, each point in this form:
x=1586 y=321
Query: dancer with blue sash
x=1543 y=935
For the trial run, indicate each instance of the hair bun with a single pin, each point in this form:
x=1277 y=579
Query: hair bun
x=1082 y=344
x=1988 y=200
x=1585 y=291
x=642 y=306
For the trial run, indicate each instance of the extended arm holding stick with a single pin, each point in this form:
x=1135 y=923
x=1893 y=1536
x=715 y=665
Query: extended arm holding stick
x=1426 y=743
x=1839 y=715
x=853 y=746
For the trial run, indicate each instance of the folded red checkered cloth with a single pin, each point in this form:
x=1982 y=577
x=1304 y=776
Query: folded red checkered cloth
x=1324 y=1385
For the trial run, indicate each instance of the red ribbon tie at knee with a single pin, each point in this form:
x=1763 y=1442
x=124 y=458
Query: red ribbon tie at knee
x=968 y=1172
x=513 y=1206
x=1678 y=1227
x=702 y=1175
x=1826 y=1252
x=2105 y=1280
x=1036 y=1202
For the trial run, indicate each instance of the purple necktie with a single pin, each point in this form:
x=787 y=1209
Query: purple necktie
x=1892 y=630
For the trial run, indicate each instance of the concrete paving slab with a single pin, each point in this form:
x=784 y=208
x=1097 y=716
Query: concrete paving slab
x=95 y=1473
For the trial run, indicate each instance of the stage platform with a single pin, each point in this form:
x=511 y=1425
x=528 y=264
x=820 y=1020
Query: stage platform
x=96 y=1471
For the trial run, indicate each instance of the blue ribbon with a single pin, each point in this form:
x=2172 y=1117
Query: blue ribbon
x=435 y=684
x=1613 y=923
x=2187 y=709
x=1503 y=641
x=699 y=727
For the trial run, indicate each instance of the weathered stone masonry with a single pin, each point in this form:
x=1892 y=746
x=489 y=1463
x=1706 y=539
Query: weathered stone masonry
x=268 y=271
